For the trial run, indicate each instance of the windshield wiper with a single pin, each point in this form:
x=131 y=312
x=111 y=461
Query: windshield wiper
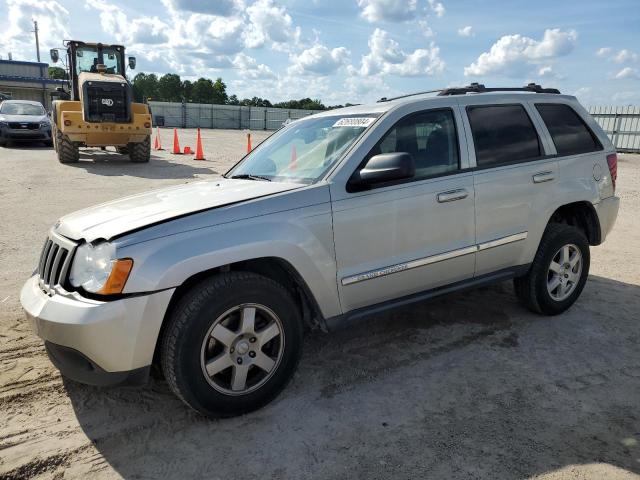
x=246 y=176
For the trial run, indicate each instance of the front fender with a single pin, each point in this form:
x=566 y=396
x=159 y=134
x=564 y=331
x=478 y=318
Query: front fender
x=303 y=237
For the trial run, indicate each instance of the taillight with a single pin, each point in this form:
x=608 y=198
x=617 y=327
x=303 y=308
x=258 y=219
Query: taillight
x=612 y=161
x=67 y=123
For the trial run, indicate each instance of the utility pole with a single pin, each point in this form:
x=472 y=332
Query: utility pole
x=35 y=30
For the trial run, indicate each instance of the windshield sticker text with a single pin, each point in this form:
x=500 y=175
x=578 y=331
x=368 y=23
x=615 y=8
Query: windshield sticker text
x=354 y=122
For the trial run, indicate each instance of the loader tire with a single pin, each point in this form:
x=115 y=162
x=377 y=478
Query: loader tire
x=140 y=152
x=66 y=150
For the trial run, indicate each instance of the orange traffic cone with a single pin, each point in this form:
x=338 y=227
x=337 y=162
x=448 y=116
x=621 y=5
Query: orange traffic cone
x=294 y=158
x=187 y=151
x=249 y=142
x=199 y=152
x=158 y=143
x=176 y=143
x=155 y=144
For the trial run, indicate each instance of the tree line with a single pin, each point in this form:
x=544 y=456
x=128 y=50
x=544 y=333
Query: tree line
x=171 y=88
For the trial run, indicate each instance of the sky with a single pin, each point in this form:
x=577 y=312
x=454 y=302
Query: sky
x=354 y=50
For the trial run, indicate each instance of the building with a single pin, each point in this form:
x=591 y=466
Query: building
x=27 y=81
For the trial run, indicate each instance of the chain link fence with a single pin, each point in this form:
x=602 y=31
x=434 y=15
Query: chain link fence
x=622 y=125
x=194 y=115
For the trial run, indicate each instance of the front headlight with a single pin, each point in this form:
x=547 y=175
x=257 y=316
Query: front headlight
x=45 y=125
x=97 y=270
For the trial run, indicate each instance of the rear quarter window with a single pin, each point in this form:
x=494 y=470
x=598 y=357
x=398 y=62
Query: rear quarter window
x=503 y=134
x=569 y=132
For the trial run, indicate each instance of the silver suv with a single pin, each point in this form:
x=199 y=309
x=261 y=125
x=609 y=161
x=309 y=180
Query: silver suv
x=333 y=217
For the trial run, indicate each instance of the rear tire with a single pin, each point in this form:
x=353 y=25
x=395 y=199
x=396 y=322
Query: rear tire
x=140 y=152
x=66 y=150
x=232 y=344
x=558 y=273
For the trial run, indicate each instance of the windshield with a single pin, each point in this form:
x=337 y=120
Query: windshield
x=21 y=109
x=87 y=60
x=304 y=150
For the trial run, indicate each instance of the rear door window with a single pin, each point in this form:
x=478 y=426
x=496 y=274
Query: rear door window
x=570 y=134
x=503 y=134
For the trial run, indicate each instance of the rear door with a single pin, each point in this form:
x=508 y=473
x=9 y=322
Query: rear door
x=514 y=180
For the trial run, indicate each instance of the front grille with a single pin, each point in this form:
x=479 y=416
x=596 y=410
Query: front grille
x=107 y=102
x=55 y=261
x=24 y=126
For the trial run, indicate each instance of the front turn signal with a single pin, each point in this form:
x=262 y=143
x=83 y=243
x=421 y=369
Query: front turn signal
x=118 y=277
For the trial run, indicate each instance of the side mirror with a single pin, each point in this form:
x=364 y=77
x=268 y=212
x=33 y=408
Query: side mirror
x=385 y=167
x=132 y=63
x=54 y=55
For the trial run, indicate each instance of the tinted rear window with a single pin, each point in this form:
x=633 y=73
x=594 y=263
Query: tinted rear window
x=503 y=134
x=569 y=132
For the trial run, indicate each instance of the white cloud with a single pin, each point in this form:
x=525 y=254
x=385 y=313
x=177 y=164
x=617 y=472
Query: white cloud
x=149 y=31
x=367 y=89
x=627 y=72
x=545 y=71
x=466 y=31
x=627 y=97
x=269 y=22
x=250 y=68
x=386 y=57
x=224 y=35
x=217 y=7
x=425 y=29
x=112 y=19
x=515 y=54
x=388 y=10
x=624 y=56
x=17 y=38
x=437 y=8
x=319 y=60
x=548 y=72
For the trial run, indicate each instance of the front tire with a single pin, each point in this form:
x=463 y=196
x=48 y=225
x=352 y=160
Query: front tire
x=140 y=152
x=232 y=344
x=66 y=150
x=558 y=273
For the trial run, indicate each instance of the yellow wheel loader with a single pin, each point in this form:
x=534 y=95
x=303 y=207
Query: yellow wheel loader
x=99 y=110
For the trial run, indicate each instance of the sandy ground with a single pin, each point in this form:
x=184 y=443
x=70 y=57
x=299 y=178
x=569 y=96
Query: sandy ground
x=467 y=386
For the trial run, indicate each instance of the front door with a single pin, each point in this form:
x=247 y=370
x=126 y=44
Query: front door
x=400 y=239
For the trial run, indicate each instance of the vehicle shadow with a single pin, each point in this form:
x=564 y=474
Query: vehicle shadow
x=112 y=164
x=469 y=385
x=27 y=146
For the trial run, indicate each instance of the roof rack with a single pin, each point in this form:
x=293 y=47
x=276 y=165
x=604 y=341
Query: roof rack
x=476 y=88
x=385 y=99
x=479 y=88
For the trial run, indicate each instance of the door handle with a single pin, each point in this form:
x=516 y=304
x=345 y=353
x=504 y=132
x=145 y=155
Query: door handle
x=452 y=195
x=543 y=177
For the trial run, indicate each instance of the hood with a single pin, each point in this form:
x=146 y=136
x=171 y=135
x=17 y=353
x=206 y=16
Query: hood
x=23 y=118
x=114 y=218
